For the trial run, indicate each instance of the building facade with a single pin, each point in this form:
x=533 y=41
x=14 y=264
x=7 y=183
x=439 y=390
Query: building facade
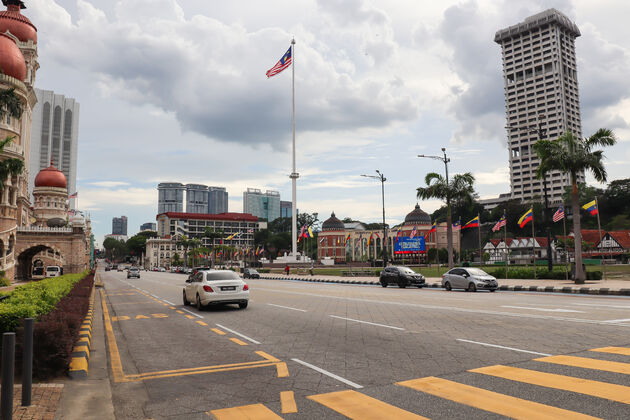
x=148 y=226
x=264 y=205
x=55 y=136
x=170 y=197
x=541 y=92
x=217 y=200
x=196 y=198
x=285 y=209
x=119 y=225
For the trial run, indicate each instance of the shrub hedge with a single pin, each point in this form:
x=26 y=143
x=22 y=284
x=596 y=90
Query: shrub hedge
x=541 y=273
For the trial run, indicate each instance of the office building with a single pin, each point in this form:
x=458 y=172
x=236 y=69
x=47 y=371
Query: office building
x=119 y=225
x=217 y=200
x=170 y=197
x=541 y=91
x=196 y=198
x=285 y=209
x=264 y=205
x=54 y=135
x=148 y=226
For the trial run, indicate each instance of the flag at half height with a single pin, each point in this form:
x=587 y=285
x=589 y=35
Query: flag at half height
x=473 y=223
x=75 y=195
x=282 y=64
x=499 y=224
x=591 y=207
x=526 y=218
x=559 y=214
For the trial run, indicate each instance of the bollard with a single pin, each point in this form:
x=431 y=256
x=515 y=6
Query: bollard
x=8 y=361
x=27 y=362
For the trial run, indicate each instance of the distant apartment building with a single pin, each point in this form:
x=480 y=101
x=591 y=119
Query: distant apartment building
x=54 y=135
x=119 y=225
x=148 y=226
x=541 y=92
x=217 y=200
x=170 y=196
x=196 y=198
x=264 y=205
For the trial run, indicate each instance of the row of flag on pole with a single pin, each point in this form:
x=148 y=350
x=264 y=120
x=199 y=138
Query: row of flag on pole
x=239 y=252
x=305 y=233
x=590 y=207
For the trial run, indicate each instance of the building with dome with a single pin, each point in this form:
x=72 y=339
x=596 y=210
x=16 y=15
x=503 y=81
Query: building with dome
x=348 y=242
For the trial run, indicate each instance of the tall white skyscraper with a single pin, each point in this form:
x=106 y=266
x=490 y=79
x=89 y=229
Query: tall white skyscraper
x=54 y=133
x=264 y=205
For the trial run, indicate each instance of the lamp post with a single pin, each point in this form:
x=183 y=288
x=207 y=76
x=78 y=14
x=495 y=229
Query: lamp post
x=382 y=178
x=449 y=221
x=540 y=131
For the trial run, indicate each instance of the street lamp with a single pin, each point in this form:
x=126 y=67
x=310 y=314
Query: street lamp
x=449 y=221
x=540 y=131
x=382 y=178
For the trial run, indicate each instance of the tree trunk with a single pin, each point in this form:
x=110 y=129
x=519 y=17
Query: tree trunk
x=449 y=235
x=580 y=276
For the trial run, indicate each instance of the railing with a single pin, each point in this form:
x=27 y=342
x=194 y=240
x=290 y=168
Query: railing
x=44 y=229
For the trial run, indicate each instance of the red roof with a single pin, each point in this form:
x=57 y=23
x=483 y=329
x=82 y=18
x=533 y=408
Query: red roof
x=51 y=177
x=622 y=237
x=19 y=25
x=237 y=217
x=591 y=235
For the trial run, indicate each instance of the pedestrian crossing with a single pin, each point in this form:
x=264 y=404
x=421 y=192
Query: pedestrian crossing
x=358 y=405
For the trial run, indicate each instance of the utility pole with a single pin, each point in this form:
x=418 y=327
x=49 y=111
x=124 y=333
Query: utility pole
x=382 y=178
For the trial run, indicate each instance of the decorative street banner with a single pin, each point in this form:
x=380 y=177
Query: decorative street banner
x=407 y=245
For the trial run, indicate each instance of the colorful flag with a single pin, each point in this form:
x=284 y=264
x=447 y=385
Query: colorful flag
x=369 y=240
x=413 y=232
x=457 y=225
x=398 y=234
x=347 y=238
x=377 y=235
x=433 y=229
x=499 y=224
x=526 y=218
x=559 y=214
x=310 y=233
x=75 y=195
x=282 y=64
x=473 y=223
x=591 y=207
x=257 y=250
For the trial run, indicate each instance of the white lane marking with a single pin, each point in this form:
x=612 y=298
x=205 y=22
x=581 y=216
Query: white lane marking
x=542 y=309
x=503 y=347
x=366 y=322
x=238 y=333
x=603 y=306
x=618 y=320
x=286 y=307
x=166 y=301
x=453 y=308
x=325 y=372
x=192 y=313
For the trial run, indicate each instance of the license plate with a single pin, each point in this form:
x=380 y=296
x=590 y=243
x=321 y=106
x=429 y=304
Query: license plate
x=226 y=288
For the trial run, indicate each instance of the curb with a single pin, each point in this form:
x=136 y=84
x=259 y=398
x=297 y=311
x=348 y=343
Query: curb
x=517 y=288
x=81 y=350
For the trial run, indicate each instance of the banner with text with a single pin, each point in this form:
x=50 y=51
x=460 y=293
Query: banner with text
x=407 y=245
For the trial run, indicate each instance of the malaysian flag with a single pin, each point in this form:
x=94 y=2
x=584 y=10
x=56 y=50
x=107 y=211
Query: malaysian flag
x=559 y=214
x=284 y=62
x=413 y=233
x=499 y=224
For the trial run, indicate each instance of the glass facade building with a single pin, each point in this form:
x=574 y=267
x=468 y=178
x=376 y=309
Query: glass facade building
x=263 y=205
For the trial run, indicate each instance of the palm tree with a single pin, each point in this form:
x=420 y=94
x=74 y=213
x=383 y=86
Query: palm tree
x=459 y=189
x=573 y=155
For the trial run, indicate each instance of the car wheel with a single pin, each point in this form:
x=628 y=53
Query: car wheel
x=472 y=287
x=199 y=305
x=402 y=284
x=186 y=303
x=493 y=290
x=447 y=286
x=242 y=305
x=384 y=283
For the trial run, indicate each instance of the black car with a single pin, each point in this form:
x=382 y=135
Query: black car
x=250 y=273
x=402 y=276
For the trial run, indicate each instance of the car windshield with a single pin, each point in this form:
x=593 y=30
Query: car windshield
x=253 y=272
x=53 y=269
x=133 y=269
x=406 y=270
x=476 y=272
x=227 y=275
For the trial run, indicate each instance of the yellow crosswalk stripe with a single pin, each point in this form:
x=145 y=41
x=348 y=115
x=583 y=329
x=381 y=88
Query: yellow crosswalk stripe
x=598 y=389
x=585 y=362
x=355 y=405
x=245 y=412
x=493 y=402
x=625 y=351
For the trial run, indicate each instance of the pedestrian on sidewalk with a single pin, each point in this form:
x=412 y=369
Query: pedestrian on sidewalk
x=286 y=269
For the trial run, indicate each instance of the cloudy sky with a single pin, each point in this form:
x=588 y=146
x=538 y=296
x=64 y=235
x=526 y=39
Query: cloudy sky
x=175 y=90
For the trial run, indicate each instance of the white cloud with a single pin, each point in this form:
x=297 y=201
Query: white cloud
x=108 y=184
x=498 y=176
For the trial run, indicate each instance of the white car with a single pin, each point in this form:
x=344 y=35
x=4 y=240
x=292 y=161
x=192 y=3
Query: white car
x=53 y=271
x=216 y=287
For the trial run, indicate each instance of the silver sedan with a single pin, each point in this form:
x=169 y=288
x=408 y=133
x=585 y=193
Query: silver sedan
x=467 y=278
x=216 y=287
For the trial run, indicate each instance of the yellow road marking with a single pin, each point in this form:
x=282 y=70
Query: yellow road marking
x=165 y=304
x=202 y=323
x=218 y=331
x=179 y=312
x=189 y=316
x=493 y=402
x=282 y=370
x=120 y=318
x=198 y=371
x=159 y=315
x=585 y=362
x=239 y=342
x=287 y=400
x=355 y=405
x=625 y=351
x=141 y=317
x=605 y=390
x=245 y=412
x=114 y=356
x=267 y=356
x=171 y=307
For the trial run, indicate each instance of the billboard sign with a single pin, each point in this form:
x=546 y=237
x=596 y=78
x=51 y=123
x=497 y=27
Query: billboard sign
x=407 y=245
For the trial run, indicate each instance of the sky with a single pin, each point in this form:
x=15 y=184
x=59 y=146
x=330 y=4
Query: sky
x=175 y=91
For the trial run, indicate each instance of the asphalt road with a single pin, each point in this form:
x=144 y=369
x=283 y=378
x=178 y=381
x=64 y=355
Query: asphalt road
x=313 y=351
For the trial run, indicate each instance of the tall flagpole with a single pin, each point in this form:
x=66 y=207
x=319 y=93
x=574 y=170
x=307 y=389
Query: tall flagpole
x=566 y=254
x=507 y=250
x=599 y=228
x=479 y=229
x=294 y=175
x=533 y=242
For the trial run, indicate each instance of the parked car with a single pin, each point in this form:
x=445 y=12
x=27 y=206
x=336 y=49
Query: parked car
x=107 y=268
x=469 y=278
x=53 y=271
x=161 y=269
x=250 y=273
x=216 y=287
x=402 y=276
x=120 y=268
x=195 y=270
x=133 y=272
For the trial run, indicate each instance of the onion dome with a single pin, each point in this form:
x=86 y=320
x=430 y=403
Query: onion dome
x=417 y=217
x=332 y=223
x=12 y=61
x=15 y=22
x=51 y=177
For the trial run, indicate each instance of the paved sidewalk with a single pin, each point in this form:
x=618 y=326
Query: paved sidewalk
x=44 y=402
x=596 y=287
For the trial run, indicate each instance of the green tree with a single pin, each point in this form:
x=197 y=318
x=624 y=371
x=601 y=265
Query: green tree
x=458 y=190
x=573 y=155
x=136 y=245
x=10 y=105
x=175 y=260
x=10 y=166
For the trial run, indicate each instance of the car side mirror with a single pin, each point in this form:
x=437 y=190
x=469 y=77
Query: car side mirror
x=466 y=275
x=188 y=280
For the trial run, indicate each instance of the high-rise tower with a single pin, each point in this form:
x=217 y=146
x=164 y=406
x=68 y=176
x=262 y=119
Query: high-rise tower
x=541 y=96
x=170 y=197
